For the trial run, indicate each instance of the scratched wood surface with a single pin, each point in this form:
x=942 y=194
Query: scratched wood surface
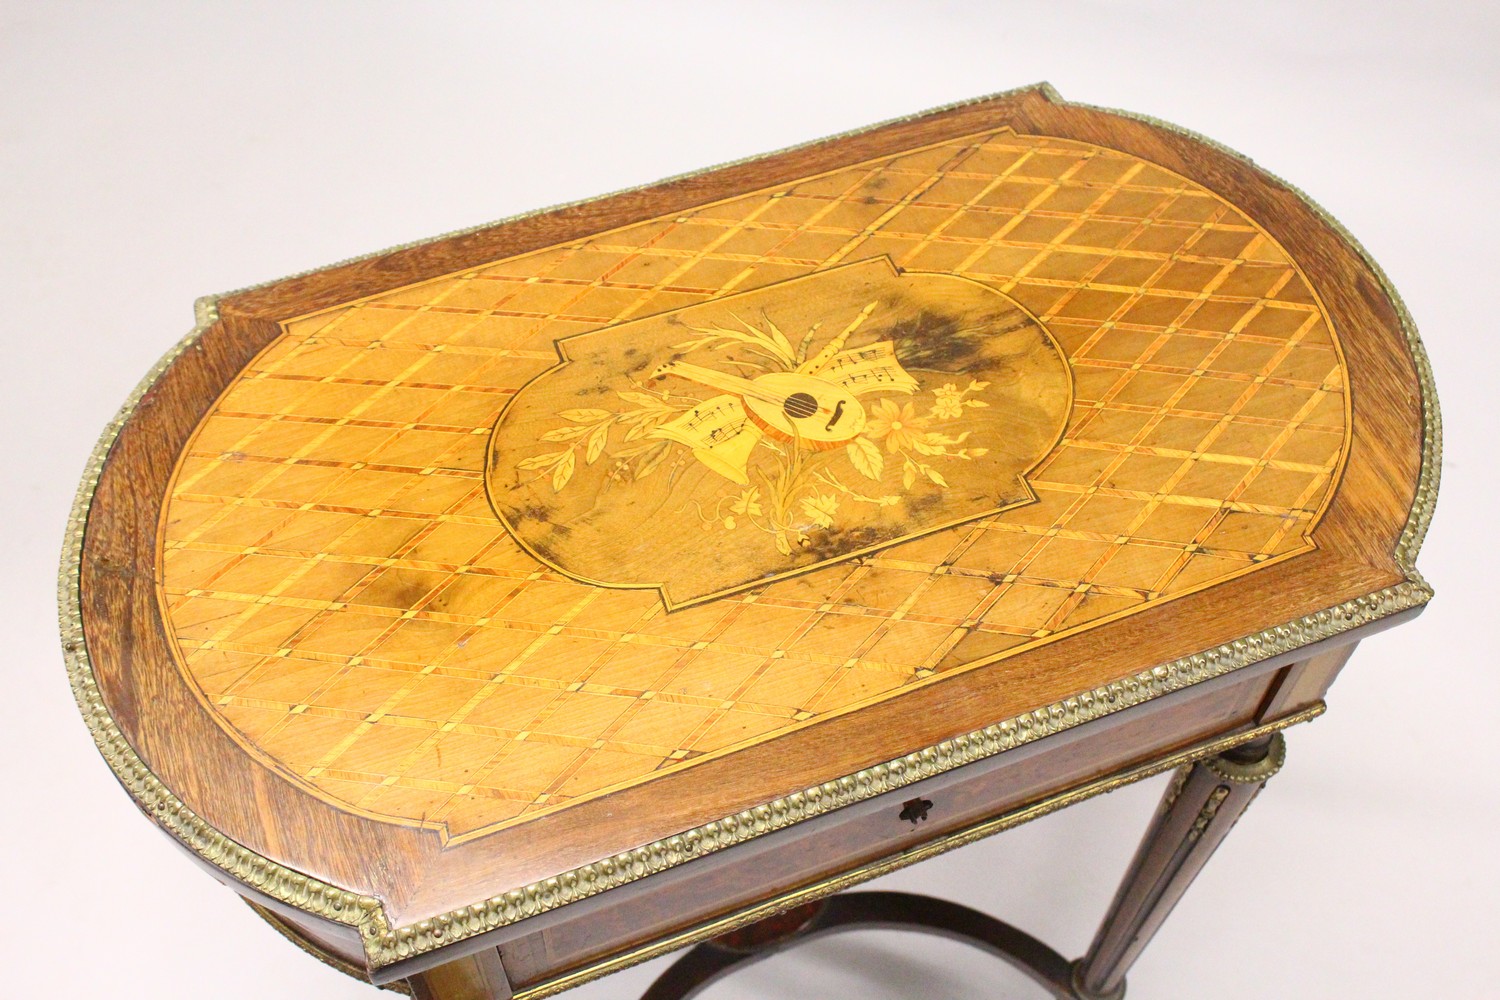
x=312 y=609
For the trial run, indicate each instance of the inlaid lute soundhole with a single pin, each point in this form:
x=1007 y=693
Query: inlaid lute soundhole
x=800 y=406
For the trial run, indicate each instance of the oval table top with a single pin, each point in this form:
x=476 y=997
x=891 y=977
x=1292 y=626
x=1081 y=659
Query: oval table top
x=550 y=555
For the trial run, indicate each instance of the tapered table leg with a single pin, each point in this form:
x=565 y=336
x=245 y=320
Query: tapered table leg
x=1196 y=814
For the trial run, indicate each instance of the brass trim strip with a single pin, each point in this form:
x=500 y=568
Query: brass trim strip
x=885 y=866
x=158 y=801
x=407 y=942
x=1256 y=772
x=328 y=958
x=385 y=945
x=1425 y=501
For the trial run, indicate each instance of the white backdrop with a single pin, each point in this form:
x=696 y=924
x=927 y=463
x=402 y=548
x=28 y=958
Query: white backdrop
x=152 y=152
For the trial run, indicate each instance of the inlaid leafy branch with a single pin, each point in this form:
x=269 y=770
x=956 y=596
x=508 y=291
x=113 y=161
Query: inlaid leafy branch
x=587 y=436
x=767 y=341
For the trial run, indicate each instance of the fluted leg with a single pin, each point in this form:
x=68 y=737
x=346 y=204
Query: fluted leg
x=1196 y=814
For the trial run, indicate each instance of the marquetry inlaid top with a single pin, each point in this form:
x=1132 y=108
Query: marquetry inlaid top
x=472 y=549
x=657 y=499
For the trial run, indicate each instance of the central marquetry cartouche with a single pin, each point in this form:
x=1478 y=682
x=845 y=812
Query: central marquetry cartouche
x=447 y=555
x=726 y=445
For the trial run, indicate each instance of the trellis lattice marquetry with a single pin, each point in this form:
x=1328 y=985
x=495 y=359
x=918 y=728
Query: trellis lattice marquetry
x=342 y=595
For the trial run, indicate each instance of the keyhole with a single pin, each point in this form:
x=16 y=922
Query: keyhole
x=799 y=405
x=914 y=811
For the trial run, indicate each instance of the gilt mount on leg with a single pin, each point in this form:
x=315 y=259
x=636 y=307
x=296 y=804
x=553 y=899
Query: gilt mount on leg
x=1196 y=814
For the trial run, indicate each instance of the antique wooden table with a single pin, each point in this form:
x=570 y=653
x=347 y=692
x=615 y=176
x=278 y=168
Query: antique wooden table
x=496 y=612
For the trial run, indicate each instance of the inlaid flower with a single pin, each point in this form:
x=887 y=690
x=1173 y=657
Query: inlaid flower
x=897 y=424
x=949 y=402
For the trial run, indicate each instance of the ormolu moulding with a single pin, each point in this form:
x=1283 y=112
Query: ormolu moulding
x=1256 y=772
x=1425 y=501
x=402 y=943
x=1182 y=760
x=159 y=802
x=385 y=945
x=329 y=959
